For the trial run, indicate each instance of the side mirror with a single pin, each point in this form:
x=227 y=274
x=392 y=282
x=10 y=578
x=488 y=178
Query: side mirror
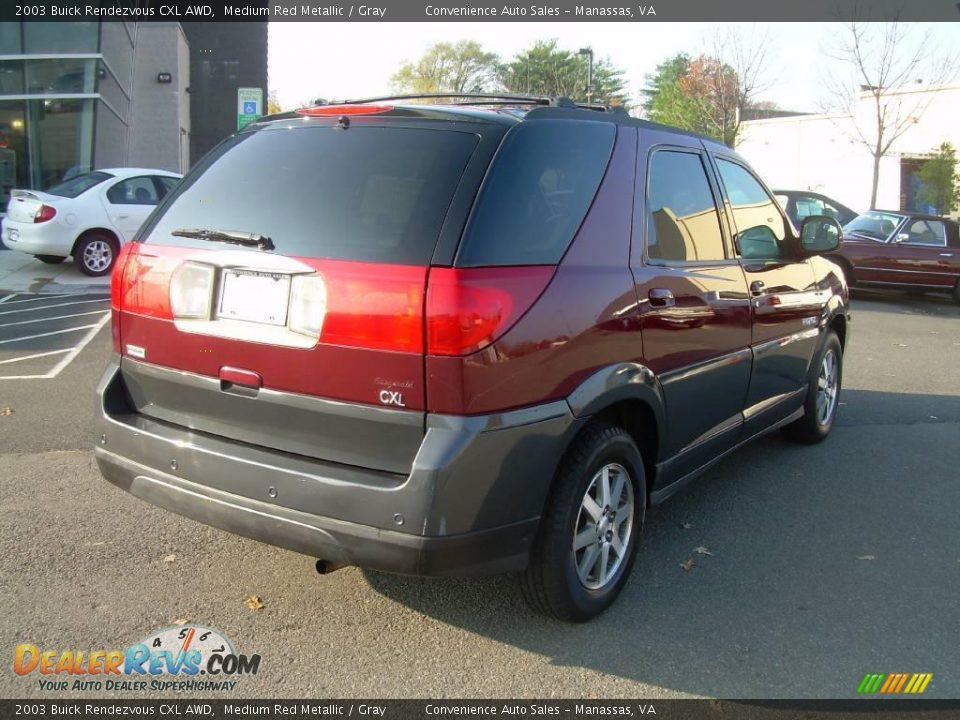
x=901 y=237
x=820 y=234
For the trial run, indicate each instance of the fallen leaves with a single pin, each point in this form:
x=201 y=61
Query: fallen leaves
x=701 y=550
x=6 y=411
x=254 y=602
x=686 y=525
x=867 y=557
x=180 y=621
x=687 y=564
x=170 y=558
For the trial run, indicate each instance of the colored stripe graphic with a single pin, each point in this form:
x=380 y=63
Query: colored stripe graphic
x=894 y=683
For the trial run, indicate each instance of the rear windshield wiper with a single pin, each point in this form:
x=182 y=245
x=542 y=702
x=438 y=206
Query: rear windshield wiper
x=260 y=242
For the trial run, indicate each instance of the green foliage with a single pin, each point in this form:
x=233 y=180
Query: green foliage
x=941 y=183
x=462 y=67
x=545 y=69
x=664 y=100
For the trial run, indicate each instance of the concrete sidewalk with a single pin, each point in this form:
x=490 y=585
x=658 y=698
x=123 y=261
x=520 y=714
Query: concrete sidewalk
x=22 y=273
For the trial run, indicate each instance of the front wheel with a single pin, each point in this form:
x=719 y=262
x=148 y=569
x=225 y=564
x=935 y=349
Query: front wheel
x=589 y=534
x=823 y=394
x=96 y=254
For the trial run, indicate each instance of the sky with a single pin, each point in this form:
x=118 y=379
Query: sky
x=343 y=60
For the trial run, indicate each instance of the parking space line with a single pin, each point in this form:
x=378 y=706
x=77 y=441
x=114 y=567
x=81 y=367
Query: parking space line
x=80 y=346
x=55 y=332
x=35 y=355
x=44 y=297
x=58 y=317
x=48 y=307
x=4 y=299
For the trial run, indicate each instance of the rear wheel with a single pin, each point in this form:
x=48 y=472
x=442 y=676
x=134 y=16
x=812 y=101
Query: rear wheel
x=96 y=253
x=589 y=534
x=50 y=259
x=823 y=394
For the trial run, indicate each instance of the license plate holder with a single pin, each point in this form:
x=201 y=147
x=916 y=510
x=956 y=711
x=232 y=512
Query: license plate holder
x=254 y=296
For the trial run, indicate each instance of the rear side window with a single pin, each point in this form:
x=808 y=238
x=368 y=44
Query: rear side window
x=367 y=193
x=78 y=185
x=682 y=220
x=536 y=193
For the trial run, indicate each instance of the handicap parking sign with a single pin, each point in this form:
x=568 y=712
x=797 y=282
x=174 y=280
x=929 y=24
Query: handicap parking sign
x=250 y=107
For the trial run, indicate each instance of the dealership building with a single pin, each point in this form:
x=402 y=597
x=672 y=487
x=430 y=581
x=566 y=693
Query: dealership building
x=75 y=96
x=822 y=152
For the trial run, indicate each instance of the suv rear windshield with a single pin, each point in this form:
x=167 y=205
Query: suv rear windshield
x=367 y=193
x=537 y=192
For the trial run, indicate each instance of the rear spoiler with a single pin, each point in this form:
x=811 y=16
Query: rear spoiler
x=29 y=195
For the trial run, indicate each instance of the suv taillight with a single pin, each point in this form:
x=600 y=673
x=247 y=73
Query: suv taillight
x=468 y=308
x=45 y=213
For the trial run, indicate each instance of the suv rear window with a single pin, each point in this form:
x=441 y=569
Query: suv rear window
x=537 y=192
x=368 y=193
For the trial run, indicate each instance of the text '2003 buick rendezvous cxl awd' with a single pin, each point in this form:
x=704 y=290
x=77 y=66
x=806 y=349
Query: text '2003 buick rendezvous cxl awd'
x=451 y=338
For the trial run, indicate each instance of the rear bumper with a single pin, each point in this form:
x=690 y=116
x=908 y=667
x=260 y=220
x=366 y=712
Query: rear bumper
x=42 y=239
x=469 y=505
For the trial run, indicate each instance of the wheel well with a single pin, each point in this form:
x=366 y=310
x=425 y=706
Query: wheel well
x=95 y=231
x=846 y=267
x=637 y=418
x=839 y=326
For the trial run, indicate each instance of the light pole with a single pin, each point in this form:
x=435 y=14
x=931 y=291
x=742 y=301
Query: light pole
x=588 y=51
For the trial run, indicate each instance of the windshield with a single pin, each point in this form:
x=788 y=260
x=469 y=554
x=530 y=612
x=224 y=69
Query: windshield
x=374 y=194
x=876 y=225
x=80 y=184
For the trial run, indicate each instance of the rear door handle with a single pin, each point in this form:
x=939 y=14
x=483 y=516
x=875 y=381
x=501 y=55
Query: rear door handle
x=661 y=297
x=757 y=287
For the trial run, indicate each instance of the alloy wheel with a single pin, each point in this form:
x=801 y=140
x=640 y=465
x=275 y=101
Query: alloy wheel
x=97 y=255
x=604 y=527
x=827 y=383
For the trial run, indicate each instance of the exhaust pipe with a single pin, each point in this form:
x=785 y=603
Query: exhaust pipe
x=325 y=567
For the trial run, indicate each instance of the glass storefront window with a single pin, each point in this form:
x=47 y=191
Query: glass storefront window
x=59 y=140
x=60 y=37
x=13 y=150
x=64 y=75
x=9 y=38
x=11 y=77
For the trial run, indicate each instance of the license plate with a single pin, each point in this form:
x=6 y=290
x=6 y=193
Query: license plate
x=254 y=297
x=13 y=236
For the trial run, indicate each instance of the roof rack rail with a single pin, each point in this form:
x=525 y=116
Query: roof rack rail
x=549 y=100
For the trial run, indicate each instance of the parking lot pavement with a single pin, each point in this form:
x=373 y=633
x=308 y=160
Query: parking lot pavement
x=23 y=273
x=817 y=564
x=40 y=335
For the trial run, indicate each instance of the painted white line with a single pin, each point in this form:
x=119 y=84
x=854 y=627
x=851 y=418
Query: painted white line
x=22 y=377
x=48 y=307
x=58 y=317
x=35 y=355
x=52 y=296
x=4 y=299
x=80 y=346
x=48 y=334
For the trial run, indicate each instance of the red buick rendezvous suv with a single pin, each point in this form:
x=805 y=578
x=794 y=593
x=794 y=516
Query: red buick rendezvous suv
x=450 y=338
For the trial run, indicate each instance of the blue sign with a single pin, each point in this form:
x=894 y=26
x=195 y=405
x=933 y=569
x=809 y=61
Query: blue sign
x=249 y=107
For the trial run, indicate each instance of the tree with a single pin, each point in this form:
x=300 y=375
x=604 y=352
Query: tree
x=273 y=105
x=463 y=67
x=941 y=183
x=711 y=93
x=545 y=69
x=885 y=59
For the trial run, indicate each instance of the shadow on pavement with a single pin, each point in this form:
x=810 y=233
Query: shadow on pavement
x=828 y=562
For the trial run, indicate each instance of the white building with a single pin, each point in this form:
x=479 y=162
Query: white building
x=822 y=152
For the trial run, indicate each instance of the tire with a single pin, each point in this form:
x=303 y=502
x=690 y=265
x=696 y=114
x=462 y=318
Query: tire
x=50 y=259
x=956 y=293
x=552 y=583
x=820 y=410
x=96 y=254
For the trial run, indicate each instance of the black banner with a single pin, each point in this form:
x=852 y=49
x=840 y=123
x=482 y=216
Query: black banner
x=481 y=10
x=438 y=710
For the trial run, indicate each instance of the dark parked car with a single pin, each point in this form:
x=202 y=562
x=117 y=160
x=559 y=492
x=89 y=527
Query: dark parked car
x=902 y=249
x=451 y=340
x=801 y=204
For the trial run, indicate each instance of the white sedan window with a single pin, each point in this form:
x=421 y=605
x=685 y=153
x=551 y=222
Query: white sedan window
x=133 y=191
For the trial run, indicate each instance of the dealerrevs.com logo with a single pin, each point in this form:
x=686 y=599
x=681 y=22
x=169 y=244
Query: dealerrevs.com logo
x=181 y=658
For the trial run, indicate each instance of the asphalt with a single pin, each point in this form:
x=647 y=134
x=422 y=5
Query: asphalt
x=826 y=562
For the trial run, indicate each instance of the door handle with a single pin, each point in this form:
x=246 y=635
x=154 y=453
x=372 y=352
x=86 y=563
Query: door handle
x=122 y=217
x=757 y=287
x=661 y=297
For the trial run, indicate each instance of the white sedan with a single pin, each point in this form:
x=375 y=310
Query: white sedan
x=90 y=216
